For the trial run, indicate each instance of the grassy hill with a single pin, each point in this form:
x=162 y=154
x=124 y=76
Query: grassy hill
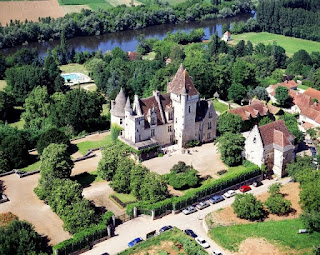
x=290 y=44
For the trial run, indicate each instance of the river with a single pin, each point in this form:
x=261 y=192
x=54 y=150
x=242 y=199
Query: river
x=127 y=41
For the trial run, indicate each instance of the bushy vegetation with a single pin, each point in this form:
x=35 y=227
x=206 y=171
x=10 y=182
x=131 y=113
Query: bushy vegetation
x=52 y=136
x=182 y=176
x=228 y=122
x=246 y=206
x=292 y=125
x=19 y=238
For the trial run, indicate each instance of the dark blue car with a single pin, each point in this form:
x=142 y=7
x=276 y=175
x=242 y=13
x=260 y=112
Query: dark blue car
x=135 y=241
x=313 y=151
x=165 y=228
x=216 y=199
x=189 y=232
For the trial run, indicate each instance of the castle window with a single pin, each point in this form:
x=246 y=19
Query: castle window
x=139 y=138
x=139 y=122
x=209 y=136
x=120 y=121
x=210 y=114
x=137 y=130
x=169 y=128
x=254 y=140
x=171 y=138
x=170 y=115
x=152 y=132
x=189 y=109
x=153 y=121
x=176 y=120
x=209 y=125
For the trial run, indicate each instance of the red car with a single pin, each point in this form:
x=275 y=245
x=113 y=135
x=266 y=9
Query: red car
x=244 y=188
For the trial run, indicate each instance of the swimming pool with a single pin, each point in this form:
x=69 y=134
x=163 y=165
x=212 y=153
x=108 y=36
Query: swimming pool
x=75 y=78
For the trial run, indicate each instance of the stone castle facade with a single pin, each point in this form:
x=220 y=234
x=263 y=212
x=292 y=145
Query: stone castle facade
x=177 y=117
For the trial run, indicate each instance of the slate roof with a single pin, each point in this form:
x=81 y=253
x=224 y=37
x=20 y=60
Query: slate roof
x=120 y=102
x=182 y=83
x=276 y=133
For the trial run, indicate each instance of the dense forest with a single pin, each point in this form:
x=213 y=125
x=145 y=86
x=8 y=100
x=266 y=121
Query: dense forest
x=119 y=18
x=297 y=18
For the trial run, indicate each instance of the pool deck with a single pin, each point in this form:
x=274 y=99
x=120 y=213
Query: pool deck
x=82 y=79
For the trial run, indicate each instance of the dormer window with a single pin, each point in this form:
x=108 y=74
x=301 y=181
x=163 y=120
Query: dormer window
x=170 y=115
x=254 y=140
x=209 y=125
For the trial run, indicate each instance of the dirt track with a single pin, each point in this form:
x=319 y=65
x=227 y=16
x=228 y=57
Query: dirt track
x=30 y=10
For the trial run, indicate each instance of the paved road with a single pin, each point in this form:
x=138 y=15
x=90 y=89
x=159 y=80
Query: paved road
x=138 y=227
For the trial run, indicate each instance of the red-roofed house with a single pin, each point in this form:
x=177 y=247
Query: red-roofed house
x=226 y=36
x=291 y=85
x=271 y=144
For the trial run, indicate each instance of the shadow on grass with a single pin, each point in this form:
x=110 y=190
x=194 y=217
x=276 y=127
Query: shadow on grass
x=84 y=179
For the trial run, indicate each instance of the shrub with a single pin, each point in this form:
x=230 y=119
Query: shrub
x=246 y=206
x=193 y=143
x=52 y=135
x=274 y=189
x=276 y=204
x=183 y=180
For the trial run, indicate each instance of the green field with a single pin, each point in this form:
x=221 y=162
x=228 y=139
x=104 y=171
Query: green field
x=290 y=44
x=88 y=145
x=3 y=83
x=74 y=68
x=282 y=233
x=125 y=198
x=219 y=107
x=167 y=241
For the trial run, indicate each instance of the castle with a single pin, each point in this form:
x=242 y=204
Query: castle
x=177 y=117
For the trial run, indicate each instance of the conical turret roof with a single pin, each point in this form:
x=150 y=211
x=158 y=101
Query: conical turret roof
x=120 y=102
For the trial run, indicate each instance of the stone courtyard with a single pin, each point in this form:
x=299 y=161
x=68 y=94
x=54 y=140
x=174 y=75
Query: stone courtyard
x=205 y=159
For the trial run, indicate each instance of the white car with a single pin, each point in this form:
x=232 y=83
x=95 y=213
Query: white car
x=202 y=205
x=230 y=193
x=189 y=210
x=202 y=242
x=216 y=252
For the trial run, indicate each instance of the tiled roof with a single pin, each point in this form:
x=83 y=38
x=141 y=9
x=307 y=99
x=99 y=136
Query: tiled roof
x=276 y=133
x=256 y=109
x=182 y=83
x=288 y=84
x=133 y=55
x=227 y=33
x=313 y=93
x=150 y=102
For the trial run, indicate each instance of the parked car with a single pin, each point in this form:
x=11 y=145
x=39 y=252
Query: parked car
x=244 y=188
x=230 y=193
x=257 y=184
x=313 y=151
x=216 y=199
x=165 y=228
x=189 y=232
x=189 y=210
x=202 y=242
x=135 y=241
x=216 y=252
x=202 y=205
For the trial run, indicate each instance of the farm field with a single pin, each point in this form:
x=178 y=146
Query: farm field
x=30 y=10
x=290 y=44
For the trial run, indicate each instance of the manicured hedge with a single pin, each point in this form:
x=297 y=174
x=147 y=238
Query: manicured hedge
x=83 y=239
x=192 y=196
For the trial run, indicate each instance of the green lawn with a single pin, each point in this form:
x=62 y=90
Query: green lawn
x=303 y=87
x=88 y=145
x=74 y=68
x=19 y=124
x=33 y=167
x=173 y=236
x=85 y=179
x=290 y=44
x=3 y=83
x=150 y=56
x=281 y=233
x=97 y=6
x=219 y=107
x=125 y=198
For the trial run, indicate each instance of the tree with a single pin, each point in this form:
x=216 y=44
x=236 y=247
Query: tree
x=244 y=73
x=4 y=163
x=297 y=170
x=246 y=206
x=19 y=238
x=55 y=163
x=237 y=92
x=52 y=135
x=274 y=189
x=182 y=176
x=231 y=146
x=2 y=66
x=292 y=125
x=115 y=131
x=302 y=57
x=153 y=188
x=276 y=204
x=15 y=150
x=228 y=122
x=109 y=162
x=258 y=92
x=265 y=120
x=282 y=95
x=6 y=106
x=37 y=109
x=137 y=176
x=121 y=179
x=315 y=82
